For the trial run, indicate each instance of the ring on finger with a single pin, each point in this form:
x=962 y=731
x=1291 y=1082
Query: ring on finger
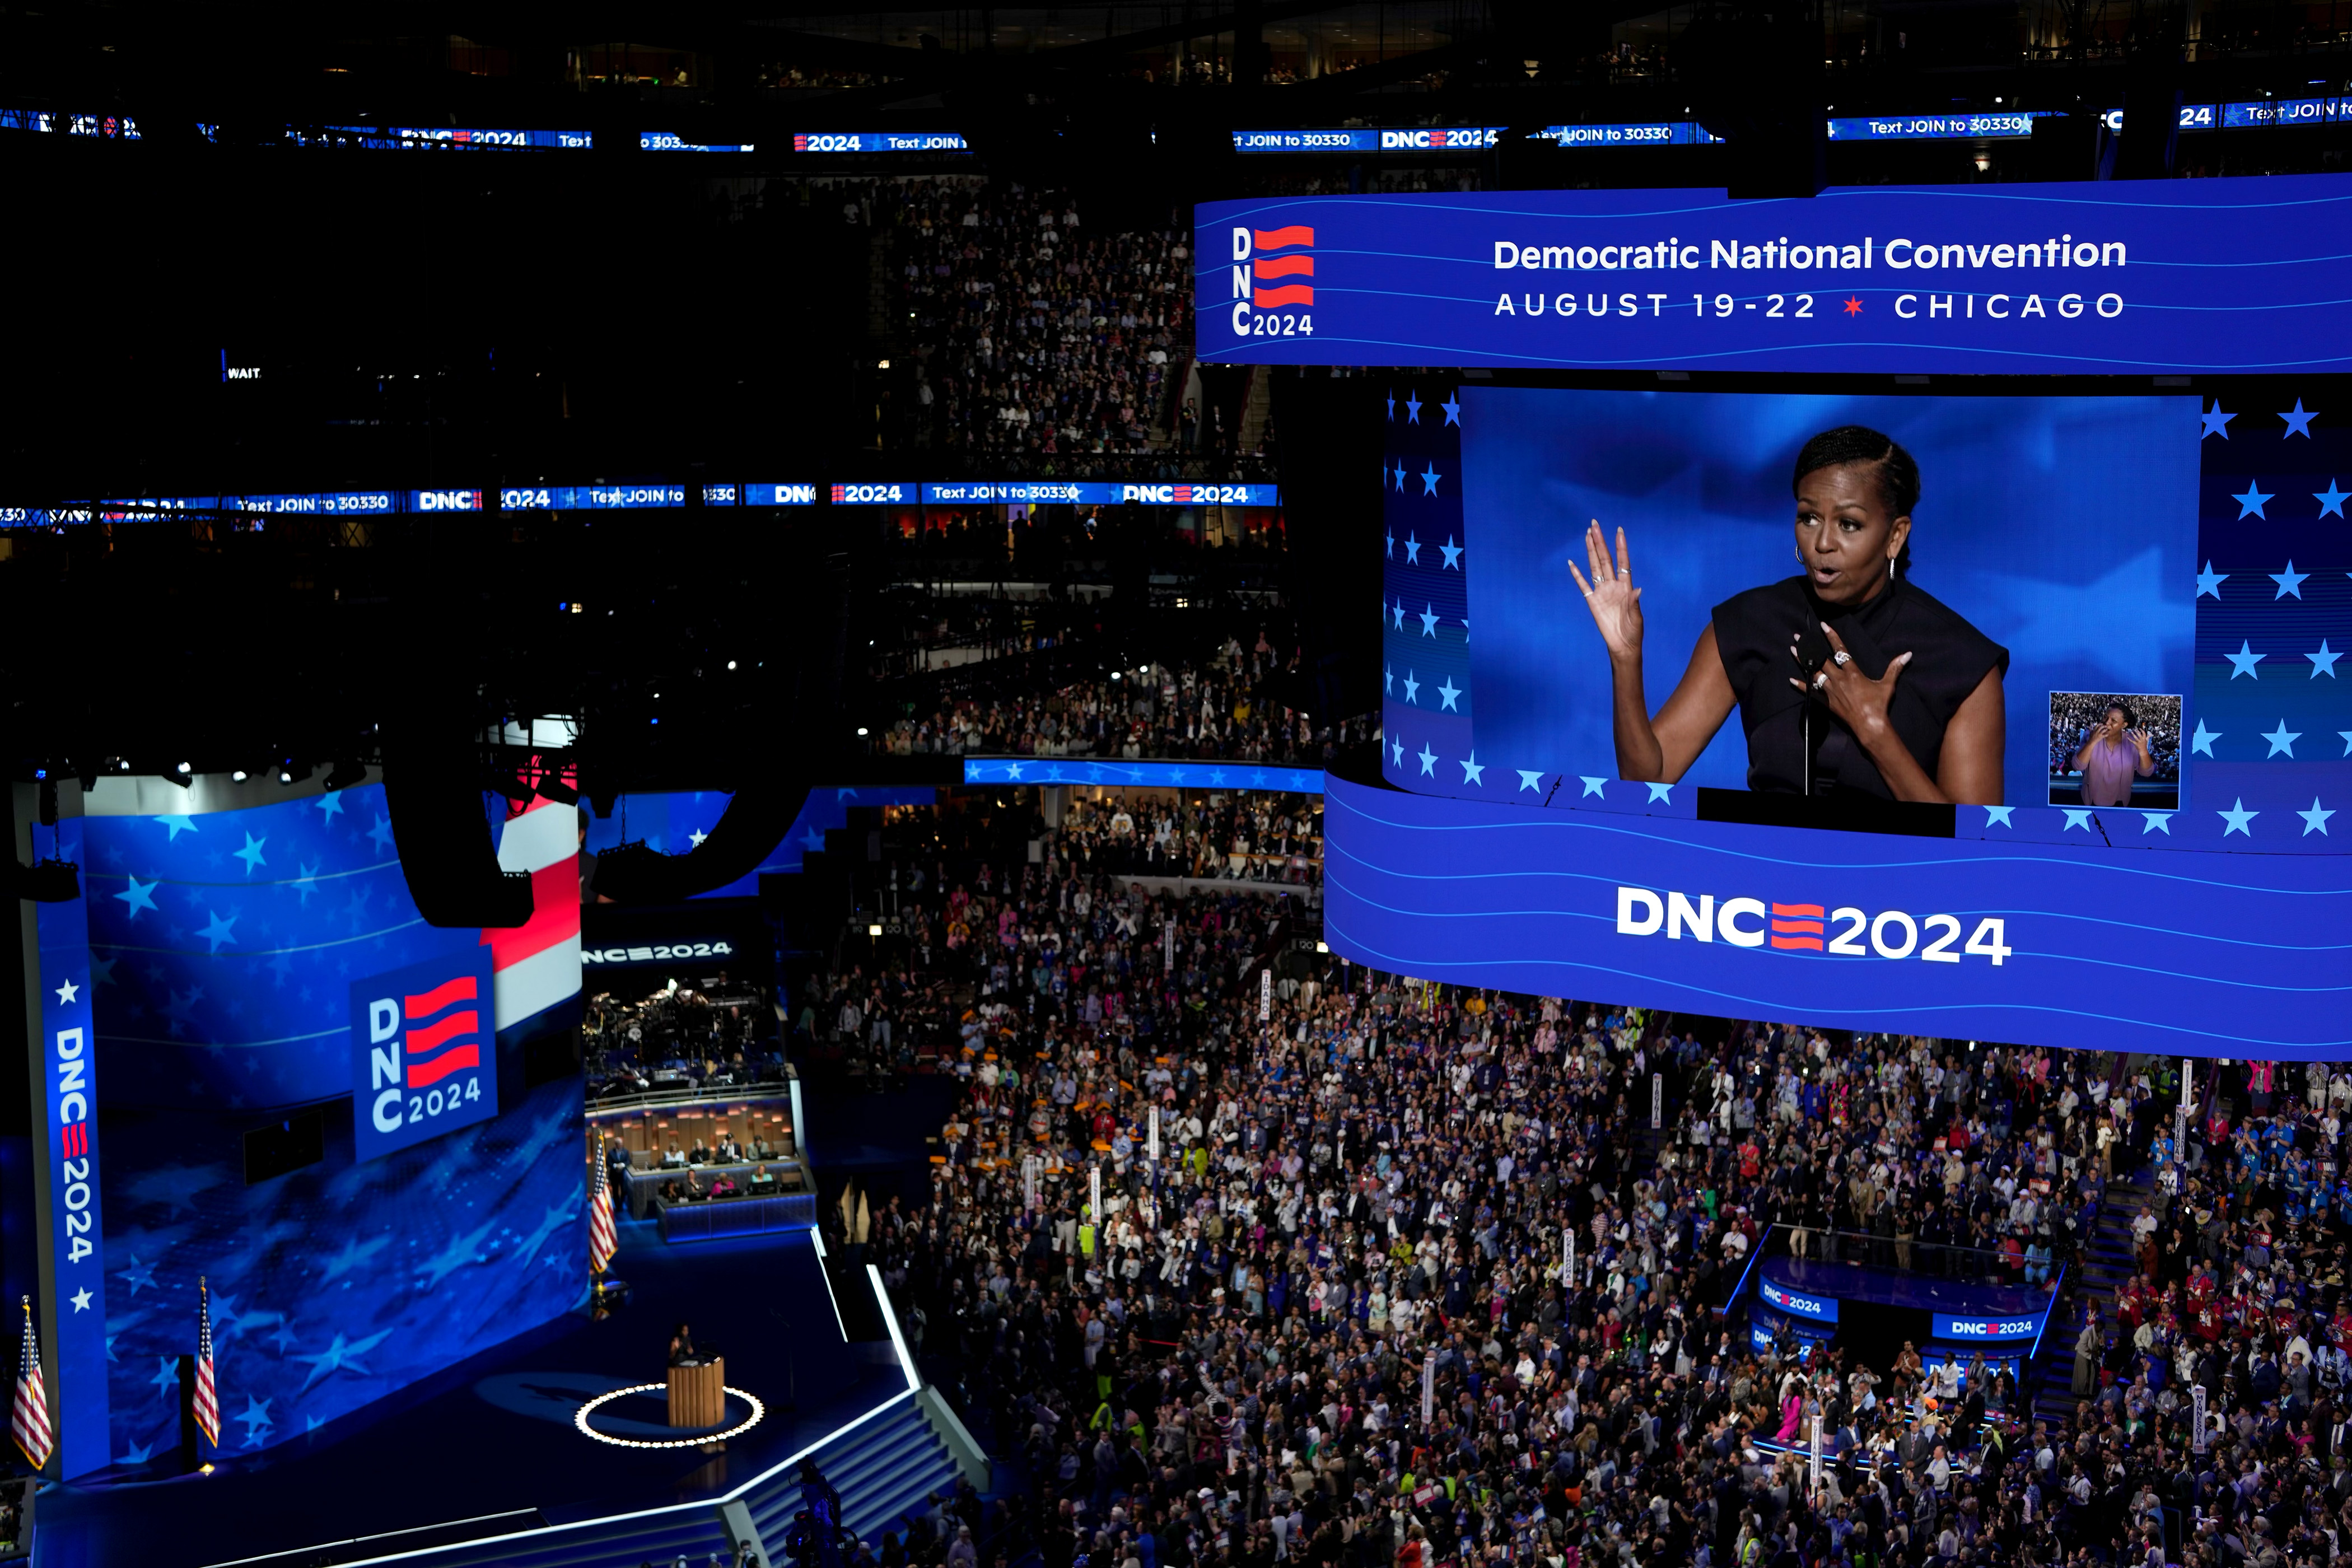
x=1821 y=680
x=1840 y=658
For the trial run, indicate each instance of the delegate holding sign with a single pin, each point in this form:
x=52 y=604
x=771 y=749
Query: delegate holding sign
x=2193 y=275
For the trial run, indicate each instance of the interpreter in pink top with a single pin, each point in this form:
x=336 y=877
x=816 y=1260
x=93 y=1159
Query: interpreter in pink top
x=2111 y=757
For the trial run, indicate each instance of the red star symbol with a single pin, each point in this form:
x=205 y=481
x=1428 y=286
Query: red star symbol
x=1853 y=307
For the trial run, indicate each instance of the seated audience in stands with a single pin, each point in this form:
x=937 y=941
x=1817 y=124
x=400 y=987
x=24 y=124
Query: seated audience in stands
x=1377 y=1183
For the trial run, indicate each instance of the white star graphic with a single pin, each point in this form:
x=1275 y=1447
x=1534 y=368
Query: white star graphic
x=1447 y=693
x=1528 y=780
x=1999 y=814
x=2315 y=820
x=2283 y=740
x=2236 y=817
x=1412 y=687
x=1592 y=786
x=66 y=992
x=2155 y=821
x=1428 y=759
x=2289 y=582
x=81 y=1297
x=2324 y=661
x=1473 y=771
x=1661 y=792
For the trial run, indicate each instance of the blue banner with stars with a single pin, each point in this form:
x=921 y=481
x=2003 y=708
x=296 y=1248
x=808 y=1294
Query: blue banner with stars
x=73 y=1311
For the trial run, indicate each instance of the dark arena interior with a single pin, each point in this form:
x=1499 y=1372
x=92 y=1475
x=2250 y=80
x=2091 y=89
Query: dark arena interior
x=714 y=865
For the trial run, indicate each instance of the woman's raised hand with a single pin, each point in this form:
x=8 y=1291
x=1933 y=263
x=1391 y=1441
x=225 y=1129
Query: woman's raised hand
x=1610 y=594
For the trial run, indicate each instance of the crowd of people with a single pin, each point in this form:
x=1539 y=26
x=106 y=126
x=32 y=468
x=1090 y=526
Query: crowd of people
x=1034 y=334
x=1322 y=1311
x=678 y=1038
x=1244 y=836
x=1222 y=708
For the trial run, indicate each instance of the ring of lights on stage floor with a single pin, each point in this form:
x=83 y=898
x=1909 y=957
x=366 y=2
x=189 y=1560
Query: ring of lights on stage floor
x=580 y=1419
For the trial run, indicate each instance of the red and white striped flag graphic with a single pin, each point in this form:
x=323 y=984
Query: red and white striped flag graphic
x=29 y=1422
x=207 y=1395
x=602 y=1240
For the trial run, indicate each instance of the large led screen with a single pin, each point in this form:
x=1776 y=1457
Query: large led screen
x=1975 y=555
x=2110 y=616
x=2121 y=726
x=2098 y=278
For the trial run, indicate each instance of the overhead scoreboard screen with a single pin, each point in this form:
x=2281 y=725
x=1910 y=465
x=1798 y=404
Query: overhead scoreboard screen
x=2098 y=278
x=1951 y=708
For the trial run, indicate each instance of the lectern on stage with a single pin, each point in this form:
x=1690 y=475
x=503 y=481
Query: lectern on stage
x=698 y=1393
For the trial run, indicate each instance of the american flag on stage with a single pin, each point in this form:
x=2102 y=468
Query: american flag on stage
x=602 y=1242
x=207 y=1395
x=29 y=1422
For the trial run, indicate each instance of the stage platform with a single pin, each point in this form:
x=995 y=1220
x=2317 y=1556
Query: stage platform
x=490 y=1447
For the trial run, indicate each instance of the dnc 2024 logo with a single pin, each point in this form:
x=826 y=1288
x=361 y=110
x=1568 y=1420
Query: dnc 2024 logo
x=1806 y=928
x=423 y=1052
x=1273 y=282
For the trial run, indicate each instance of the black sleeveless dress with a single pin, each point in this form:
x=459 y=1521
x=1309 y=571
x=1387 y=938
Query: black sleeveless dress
x=1786 y=728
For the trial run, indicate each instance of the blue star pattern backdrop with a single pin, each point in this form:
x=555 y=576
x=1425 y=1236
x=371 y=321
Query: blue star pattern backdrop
x=2271 y=720
x=223 y=951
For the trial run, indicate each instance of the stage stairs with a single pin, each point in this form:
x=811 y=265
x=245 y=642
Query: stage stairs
x=2107 y=1263
x=884 y=1469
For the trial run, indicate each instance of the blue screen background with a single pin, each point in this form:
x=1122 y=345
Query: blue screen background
x=2063 y=528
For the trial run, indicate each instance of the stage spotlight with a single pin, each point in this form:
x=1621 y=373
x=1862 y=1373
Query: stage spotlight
x=553 y=788
x=345 y=773
x=179 y=776
x=184 y=770
x=236 y=775
x=507 y=784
